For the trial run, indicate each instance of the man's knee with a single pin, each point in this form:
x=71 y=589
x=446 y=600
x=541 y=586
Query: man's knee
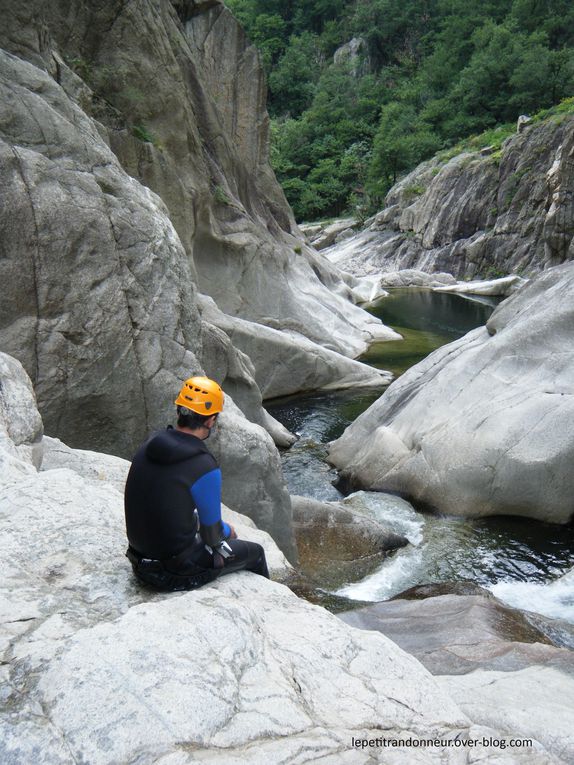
x=247 y=556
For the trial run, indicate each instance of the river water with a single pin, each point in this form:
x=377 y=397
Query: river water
x=524 y=562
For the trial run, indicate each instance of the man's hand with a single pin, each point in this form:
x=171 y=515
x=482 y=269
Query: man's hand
x=232 y=532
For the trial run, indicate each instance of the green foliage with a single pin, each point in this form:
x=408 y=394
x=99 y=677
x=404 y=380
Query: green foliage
x=293 y=82
x=414 y=190
x=220 y=196
x=401 y=142
x=430 y=75
x=142 y=133
x=565 y=107
x=81 y=67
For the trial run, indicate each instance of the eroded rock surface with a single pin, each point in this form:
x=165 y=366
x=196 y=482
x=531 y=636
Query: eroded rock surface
x=490 y=657
x=285 y=362
x=477 y=215
x=532 y=702
x=95 y=668
x=484 y=425
x=102 y=309
x=454 y=634
x=338 y=545
x=504 y=286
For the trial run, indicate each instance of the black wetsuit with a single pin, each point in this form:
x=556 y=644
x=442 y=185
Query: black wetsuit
x=173 y=491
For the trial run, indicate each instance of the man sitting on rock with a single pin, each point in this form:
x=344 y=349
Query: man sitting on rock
x=177 y=540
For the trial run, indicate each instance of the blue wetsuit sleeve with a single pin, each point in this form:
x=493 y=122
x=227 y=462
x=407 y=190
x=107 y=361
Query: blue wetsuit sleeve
x=206 y=493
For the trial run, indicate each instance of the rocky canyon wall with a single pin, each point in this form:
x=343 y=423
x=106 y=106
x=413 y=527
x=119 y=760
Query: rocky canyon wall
x=478 y=214
x=171 y=95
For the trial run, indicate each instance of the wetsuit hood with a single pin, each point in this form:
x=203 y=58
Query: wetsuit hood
x=170 y=446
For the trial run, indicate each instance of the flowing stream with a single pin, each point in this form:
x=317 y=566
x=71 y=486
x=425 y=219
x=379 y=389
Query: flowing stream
x=524 y=562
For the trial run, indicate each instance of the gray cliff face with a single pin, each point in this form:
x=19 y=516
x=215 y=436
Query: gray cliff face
x=181 y=95
x=134 y=159
x=191 y=125
x=484 y=425
x=102 y=306
x=478 y=214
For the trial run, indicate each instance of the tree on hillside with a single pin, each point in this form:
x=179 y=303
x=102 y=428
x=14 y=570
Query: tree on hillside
x=401 y=142
x=292 y=82
x=436 y=71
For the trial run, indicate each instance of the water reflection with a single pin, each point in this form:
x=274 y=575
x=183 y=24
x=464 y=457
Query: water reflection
x=426 y=320
x=447 y=315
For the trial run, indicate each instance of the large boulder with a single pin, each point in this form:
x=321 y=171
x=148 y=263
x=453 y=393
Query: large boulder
x=223 y=360
x=253 y=482
x=484 y=425
x=285 y=362
x=338 y=545
x=240 y=671
x=411 y=277
x=252 y=478
x=456 y=634
x=102 y=309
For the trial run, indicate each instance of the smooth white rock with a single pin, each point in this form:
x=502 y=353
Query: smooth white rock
x=94 y=467
x=529 y=703
x=20 y=423
x=484 y=425
x=411 y=277
x=504 y=286
x=240 y=661
x=317 y=366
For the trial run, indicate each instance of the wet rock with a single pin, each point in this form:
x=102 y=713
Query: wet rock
x=483 y=426
x=338 y=545
x=453 y=634
x=490 y=657
x=423 y=591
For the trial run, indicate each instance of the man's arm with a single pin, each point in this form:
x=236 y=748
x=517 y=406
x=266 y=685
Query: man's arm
x=206 y=493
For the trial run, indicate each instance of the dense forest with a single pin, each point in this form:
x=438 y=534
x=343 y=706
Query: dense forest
x=360 y=92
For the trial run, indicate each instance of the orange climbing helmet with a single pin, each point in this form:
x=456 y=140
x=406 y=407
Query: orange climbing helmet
x=201 y=395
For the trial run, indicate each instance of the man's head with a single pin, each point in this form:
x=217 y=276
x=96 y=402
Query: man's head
x=199 y=402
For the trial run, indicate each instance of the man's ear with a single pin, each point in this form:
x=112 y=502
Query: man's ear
x=211 y=421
